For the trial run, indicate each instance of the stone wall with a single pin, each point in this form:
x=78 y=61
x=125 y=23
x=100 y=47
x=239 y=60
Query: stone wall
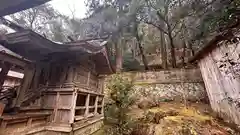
x=175 y=84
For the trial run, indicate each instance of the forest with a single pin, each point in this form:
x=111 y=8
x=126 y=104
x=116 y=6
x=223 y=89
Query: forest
x=141 y=34
x=170 y=92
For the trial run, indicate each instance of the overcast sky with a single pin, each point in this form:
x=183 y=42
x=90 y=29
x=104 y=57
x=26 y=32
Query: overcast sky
x=66 y=7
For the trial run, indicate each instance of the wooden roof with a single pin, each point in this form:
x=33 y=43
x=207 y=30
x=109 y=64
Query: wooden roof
x=12 y=6
x=7 y=55
x=35 y=47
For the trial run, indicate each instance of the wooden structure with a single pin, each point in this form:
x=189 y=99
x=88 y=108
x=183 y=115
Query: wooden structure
x=62 y=86
x=219 y=62
x=13 y=78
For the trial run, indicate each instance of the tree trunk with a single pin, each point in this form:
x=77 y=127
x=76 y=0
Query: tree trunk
x=145 y=63
x=119 y=59
x=172 y=49
x=191 y=48
x=163 y=52
x=183 y=54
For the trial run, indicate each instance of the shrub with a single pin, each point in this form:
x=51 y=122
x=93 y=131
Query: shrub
x=116 y=111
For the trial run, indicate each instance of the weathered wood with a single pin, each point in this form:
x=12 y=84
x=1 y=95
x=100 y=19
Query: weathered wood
x=36 y=77
x=28 y=76
x=87 y=91
x=77 y=118
x=12 y=59
x=55 y=112
x=101 y=85
x=80 y=108
x=3 y=74
x=73 y=106
x=2 y=106
x=87 y=105
x=96 y=105
x=29 y=122
x=220 y=71
x=3 y=124
x=102 y=109
x=64 y=74
x=70 y=75
x=88 y=78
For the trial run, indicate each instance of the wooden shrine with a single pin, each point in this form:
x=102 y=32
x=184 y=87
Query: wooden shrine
x=62 y=89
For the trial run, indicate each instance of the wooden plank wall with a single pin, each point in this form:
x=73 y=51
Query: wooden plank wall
x=221 y=73
x=62 y=103
x=87 y=78
x=60 y=99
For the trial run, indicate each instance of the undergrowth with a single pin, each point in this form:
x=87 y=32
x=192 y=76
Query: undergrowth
x=117 y=109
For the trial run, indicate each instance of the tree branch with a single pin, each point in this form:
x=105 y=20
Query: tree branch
x=174 y=26
x=158 y=27
x=161 y=17
x=178 y=31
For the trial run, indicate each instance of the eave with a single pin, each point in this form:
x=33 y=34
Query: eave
x=35 y=47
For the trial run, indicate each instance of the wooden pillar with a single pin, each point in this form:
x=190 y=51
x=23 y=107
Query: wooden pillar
x=74 y=101
x=64 y=74
x=55 y=111
x=101 y=85
x=3 y=74
x=102 y=110
x=70 y=75
x=36 y=77
x=28 y=76
x=46 y=69
x=96 y=106
x=88 y=79
x=87 y=105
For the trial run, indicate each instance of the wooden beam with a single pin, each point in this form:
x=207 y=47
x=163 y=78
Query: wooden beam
x=96 y=105
x=101 y=85
x=102 y=109
x=28 y=76
x=3 y=124
x=56 y=107
x=29 y=122
x=64 y=74
x=3 y=74
x=36 y=77
x=88 y=79
x=12 y=59
x=87 y=105
x=70 y=75
x=74 y=100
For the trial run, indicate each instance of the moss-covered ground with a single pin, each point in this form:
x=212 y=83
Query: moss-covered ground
x=172 y=118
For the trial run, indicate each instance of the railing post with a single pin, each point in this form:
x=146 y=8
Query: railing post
x=96 y=106
x=87 y=105
x=102 y=109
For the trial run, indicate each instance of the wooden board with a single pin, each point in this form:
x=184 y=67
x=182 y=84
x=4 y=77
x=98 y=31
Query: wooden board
x=220 y=70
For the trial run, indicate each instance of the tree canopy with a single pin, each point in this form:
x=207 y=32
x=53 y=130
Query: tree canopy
x=171 y=30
